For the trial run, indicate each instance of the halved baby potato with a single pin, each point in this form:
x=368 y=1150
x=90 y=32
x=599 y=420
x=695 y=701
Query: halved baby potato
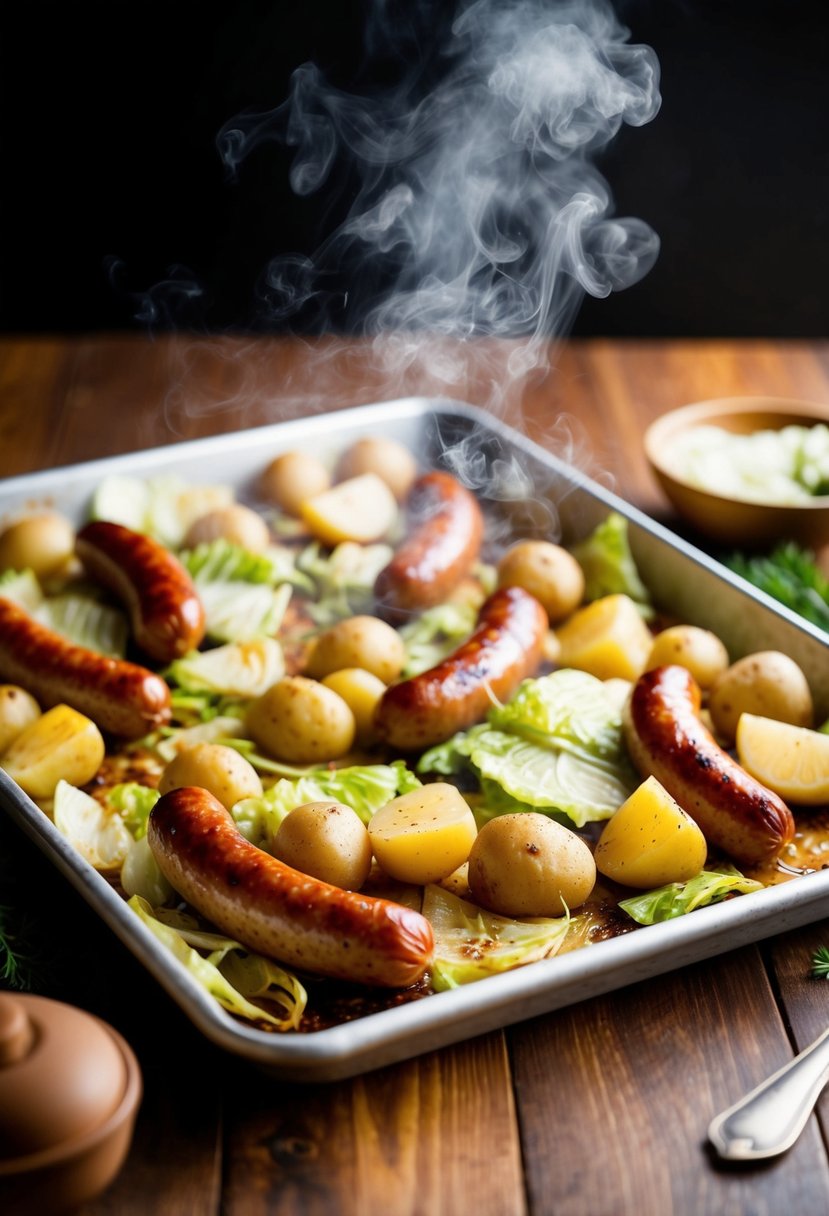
x=423 y=836
x=360 y=509
x=526 y=864
x=61 y=743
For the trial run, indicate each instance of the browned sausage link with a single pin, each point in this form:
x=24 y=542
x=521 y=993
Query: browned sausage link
x=122 y=698
x=276 y=910
x=165 y=611
x=445 y=532
x=667 y=739
x=503 y=650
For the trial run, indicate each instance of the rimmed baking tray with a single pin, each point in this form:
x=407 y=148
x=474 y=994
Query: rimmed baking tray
x=525 y=488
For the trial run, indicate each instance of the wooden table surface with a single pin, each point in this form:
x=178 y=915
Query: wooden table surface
x=600 y=1109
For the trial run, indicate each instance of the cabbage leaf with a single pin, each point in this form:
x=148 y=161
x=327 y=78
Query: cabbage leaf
x=99 y=834
x=237 y=669
x=342 y=581
x=133 y=802
x=678 y=898
x=471 y=944
x=556 y=747
x=608 y=565
x=434 y=634
x=569 y=707
x=163 y=507
x=84 y=620
x=364 y=788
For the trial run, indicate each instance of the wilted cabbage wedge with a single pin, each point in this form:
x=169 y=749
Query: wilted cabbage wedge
x=471 y=944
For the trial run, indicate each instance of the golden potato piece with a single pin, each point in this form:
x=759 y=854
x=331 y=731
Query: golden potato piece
x=235 y=523
x=302 y=722
x=699 y=650
x=768 y=684
x=61 y=743
x=361 y=509
x=548 y=572
x=361 y=690
x=291 y=478
x=18 y=709
x=43 y=543
x=389 y=459
x=650 y=841
x=423 y=836
x=358 y=641
x=607 y=638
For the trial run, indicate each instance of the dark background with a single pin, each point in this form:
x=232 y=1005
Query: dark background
x=112 y=186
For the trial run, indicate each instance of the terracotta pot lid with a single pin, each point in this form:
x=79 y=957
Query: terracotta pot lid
x=61 y=1074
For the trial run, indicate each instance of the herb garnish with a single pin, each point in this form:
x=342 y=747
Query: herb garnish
x=790 y=575
x=820 y=964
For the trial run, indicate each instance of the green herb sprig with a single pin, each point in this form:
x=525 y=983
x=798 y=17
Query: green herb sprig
x=820 y=964
x=790 y=575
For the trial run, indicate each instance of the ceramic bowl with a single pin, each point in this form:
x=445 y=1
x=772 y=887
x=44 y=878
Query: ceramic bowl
x=719 y=517
x=58 y=1176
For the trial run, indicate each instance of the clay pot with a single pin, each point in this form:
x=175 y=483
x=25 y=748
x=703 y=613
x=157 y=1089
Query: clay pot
x=70 y=1087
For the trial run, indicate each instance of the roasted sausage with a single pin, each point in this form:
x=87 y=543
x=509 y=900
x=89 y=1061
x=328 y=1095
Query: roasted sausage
x=504 y=648
x=667 y=739
x=122 y=698
x=276 y=910
x=165 y=611
x=444 y=539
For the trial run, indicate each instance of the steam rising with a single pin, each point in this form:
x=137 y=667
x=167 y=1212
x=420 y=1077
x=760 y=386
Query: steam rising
x=478 y=210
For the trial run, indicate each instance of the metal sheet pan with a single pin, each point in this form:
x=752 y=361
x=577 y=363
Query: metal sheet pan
x=565 y=505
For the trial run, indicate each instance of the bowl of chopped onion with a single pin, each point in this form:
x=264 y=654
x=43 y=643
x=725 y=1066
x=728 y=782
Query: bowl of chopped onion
x=746 y=471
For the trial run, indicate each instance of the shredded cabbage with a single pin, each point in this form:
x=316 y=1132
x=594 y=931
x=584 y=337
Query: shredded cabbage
x=133 y=802
x=230 y=973
x=342 y=581
x=87 y=622
x=162 y=507
x=22 y=587
x=435 y=634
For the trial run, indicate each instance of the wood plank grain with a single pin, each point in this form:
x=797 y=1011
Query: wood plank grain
x=34 y=375
x=431 y=1137
x=609 y=392
x=805 y=999
x=174 y=1164
x=615 y=1096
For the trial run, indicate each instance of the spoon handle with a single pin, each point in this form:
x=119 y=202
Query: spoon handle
x=769 y=1119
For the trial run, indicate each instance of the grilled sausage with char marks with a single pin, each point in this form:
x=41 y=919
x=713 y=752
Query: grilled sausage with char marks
x=165 y=611
x=667 y=739
x=446 y=530
x=505 y=647
x=122 y=698
x=276 y=910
